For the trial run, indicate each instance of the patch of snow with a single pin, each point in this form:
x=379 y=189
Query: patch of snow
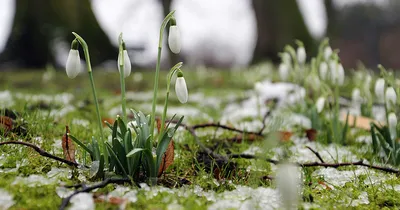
x=364 y=139
x=64 y=192
x=6 y=99
x=33 y=180
x=362 y=199
x=6 y=200
x=82 y=201
x=62 y=98
x=81 y=122
x=252 y=150
x=62 y=112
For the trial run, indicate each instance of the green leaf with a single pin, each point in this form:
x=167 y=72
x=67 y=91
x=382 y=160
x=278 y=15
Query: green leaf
x=375 y=142
x=81 y=144
x=122 y=126
x=96 y=149
x=134 y=151
x=119 y=150
x=344 y=132
x=114 y=130
x=110 y=149
x=166 y=139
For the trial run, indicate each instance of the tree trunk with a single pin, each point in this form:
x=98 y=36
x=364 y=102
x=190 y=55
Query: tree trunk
x=278 y=23
x=37 y=24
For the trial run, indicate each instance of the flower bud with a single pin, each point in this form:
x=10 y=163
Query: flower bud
x=390 y=97
x=286 y=59
x=323 y=70
x=181 y=88
x=333 y=71
x=356 y=96
x=380 y=89
x=327 y=53
x=127 y=62
x=392 y=121
x=73 y=65
x=340 y=73
x=301 y=55
x=174 y=38
x=284 y=71
x=320 y=104
x=288 y=181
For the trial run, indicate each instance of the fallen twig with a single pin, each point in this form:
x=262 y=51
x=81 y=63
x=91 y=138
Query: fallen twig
x=316 y=154
x=102 y=184
x=41 y=152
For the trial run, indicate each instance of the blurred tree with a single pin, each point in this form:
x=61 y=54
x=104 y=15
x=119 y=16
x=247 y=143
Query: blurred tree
x=278 y=23
x=39 y=24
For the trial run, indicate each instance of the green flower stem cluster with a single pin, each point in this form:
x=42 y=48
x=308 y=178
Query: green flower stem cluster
x=130 y=152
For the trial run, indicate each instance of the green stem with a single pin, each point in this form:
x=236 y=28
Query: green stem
x=171 y=73
x=122 y=80
x=155 y=90
x=89 y=67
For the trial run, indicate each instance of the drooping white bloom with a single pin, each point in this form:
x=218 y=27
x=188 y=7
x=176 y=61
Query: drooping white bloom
x=301 y=55
x=320 y=104
x=327 y=53
x=340 y=73
x=73 y=66
x=181 y=89
x=288 y=181
x=392 y=121
x=380 y=89
x=127 y=63
x=174 y=39
x=283 y=71
x=323 y=70
x=356 y=96
x=258 y=86
x=286 y=58
x=390 y=97
x=333 y=71
x=313 y=81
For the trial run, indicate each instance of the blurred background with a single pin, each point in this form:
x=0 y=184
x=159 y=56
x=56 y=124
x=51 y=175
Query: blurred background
x=215 y=33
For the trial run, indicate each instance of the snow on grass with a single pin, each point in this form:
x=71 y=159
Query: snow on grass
x=6 y=200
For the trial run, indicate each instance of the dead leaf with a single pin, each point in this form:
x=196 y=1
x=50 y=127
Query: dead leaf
x=311 y=134
x=360 y=121
x=6 y=123
x=68 y=147
x=284 y=136
x=168 y=156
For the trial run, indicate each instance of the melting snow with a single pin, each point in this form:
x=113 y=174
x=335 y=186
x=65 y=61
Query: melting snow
x=6 y=200
x=82 y=201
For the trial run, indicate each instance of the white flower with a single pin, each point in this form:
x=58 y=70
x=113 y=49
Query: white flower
x=258 y=87
x=181 y=89
x=174 y=39
x=392 y=120
x=288 y=181
x=284 y=71
x=333 y=67
x=320 y=104
x=340 y=73
x=73 y=66
x=327 y=53
x=301 y=55
x=286 y=58
x=356 y=96
x=323 y=70
x=127 y=63
x=390 y=97
x=380 y=89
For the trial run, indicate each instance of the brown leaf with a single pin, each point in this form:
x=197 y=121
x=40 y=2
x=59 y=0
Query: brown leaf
x=311 y=134
x=6 y=123
x=284 y=136
x=168 y=156
x=68 y=146
x=360 y=121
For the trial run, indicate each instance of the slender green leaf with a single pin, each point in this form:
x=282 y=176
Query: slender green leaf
x=81 y=144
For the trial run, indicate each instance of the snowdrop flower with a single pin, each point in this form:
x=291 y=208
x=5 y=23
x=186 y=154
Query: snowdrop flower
x=127 y=61
x=340 y=74
x=320 y=104
x=356 y=96
x=380 y=89
x=327 y=52
x=288 y=181
x=181 y=88
x=174 y=38
x=392 y=121
x=323 y=70
x=301 y=55
x=390 y=97
x=286 y=59
x=73 y=66
x=258 y=87
x=333 y=67
x=284 y=71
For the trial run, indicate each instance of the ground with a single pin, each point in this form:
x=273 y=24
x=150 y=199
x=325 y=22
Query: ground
x=47 y=101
